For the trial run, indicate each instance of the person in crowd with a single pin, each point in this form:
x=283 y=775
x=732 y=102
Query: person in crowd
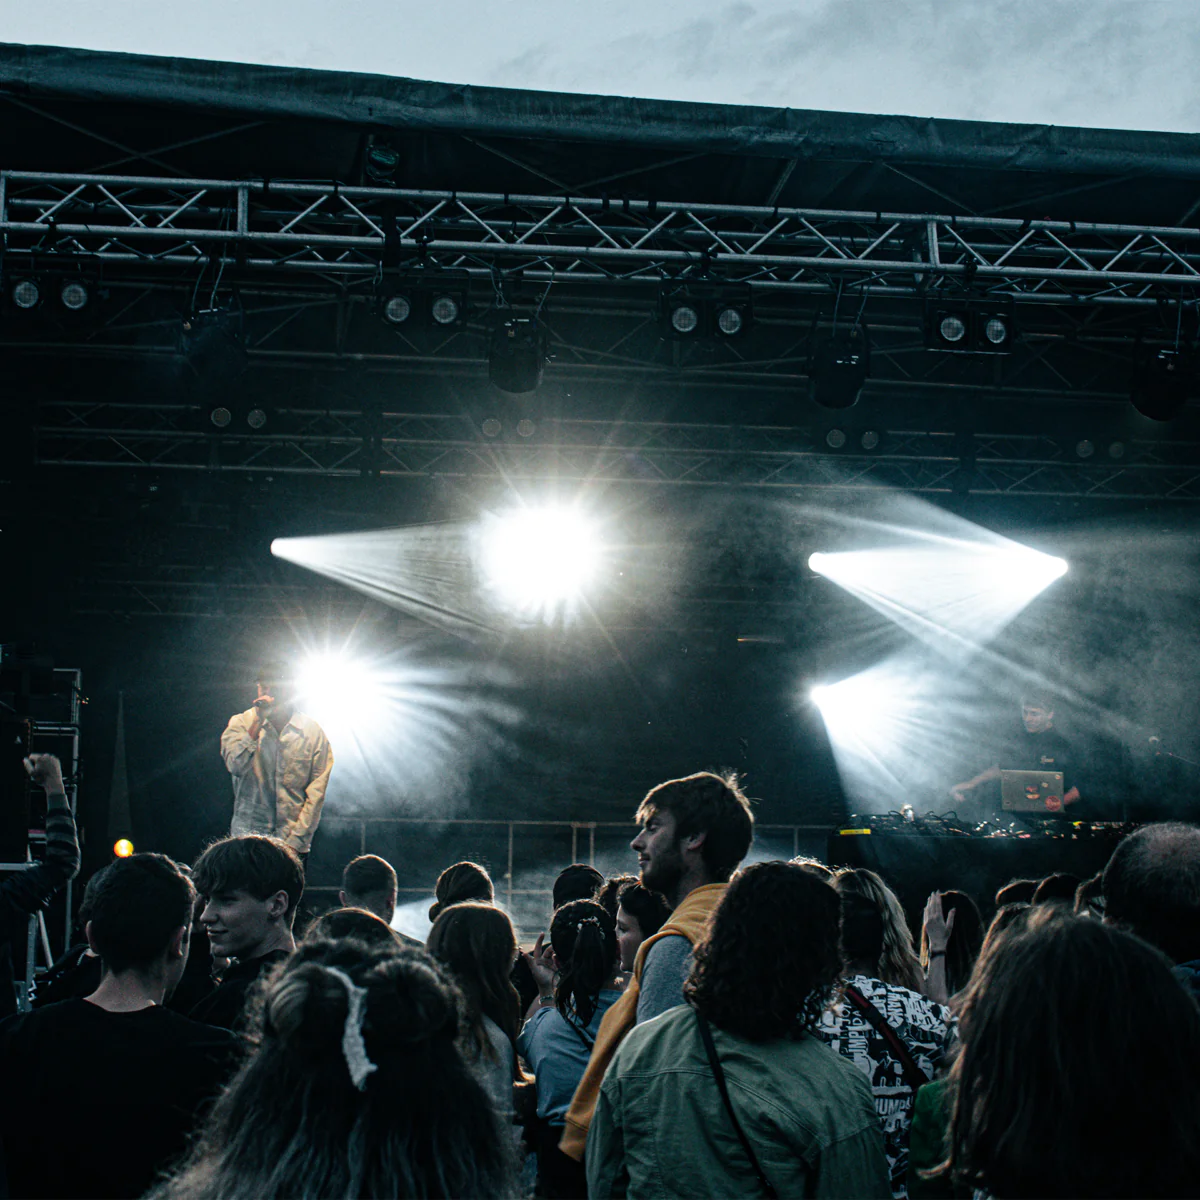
x=576 y=882
x=1152 y=888
x=814 y=866
x=576 y=977
x=1058 y=888
x=1016 y=891
x=899 y=964
x=694 y=833
x=641 y=913
x=251 y=887
x=1092 y=1094
x=101 y=1092
x=461 y=882
x=609 y=893
x=897 y=1037
x=951 y=937
x=24 y=893
x=357 y=923
x=735 y=1095
x=370 y=882
x=476 y=943
x=357 y=1088
x=1089 y=897
x=280 y=761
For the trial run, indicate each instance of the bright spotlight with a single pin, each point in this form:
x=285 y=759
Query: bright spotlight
x=123 y=848
x=342 y=694
x=540 y=560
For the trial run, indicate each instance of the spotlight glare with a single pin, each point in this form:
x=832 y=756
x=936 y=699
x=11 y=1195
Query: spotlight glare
x=122 y=847
x=540 y=559
x=344 y=695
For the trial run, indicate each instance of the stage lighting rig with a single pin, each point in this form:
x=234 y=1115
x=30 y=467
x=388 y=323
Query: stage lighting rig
x=838 y=367
x=433 y=300
x=517 y=352
x=1163 y=382
x=697 y=311
x=969 y=327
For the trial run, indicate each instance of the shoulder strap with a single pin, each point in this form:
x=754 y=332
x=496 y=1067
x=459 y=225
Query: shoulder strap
x=913 y=1074
x=719 y=1074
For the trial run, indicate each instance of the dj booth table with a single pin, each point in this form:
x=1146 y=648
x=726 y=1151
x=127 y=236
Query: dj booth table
x=915 y=864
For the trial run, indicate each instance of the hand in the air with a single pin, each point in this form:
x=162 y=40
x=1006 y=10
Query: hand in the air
x=937 y=924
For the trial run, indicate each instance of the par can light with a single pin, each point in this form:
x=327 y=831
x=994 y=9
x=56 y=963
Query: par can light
x=26 y=294
x=685 y=319
x=397 y=310
x=445 y=310
x=74 y=296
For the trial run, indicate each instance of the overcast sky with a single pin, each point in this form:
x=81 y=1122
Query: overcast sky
x=1124 y=63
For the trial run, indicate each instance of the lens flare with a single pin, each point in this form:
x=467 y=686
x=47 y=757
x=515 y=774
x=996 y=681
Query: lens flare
x=123 y=848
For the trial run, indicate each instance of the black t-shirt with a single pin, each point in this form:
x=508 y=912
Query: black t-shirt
x=224 y=1006
x=1045 y=751
x=94 y=1103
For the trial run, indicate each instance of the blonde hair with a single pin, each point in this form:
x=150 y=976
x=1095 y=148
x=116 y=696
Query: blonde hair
x=898 y=965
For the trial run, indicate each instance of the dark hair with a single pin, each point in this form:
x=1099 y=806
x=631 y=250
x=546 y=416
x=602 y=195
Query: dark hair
x=292 y=1123
x=1038 y=699
x=252 y=863
x=1006 y=917
x=1016 y=891
x=576 y=882
x=649 y=908
x=584 y=938
x=352 y=922
x=609 y=893
x=476 y=942
x=862 y=928
x=275 y=671
x=458 y=883
x=1058 y=888
x=769 y=962
x=966 y=939
x=1152 y=885
x=898 y=962
x=367 y=875
x=709 y=804
x=1068 y=1027
x=814 y=866
x=1089 y=896
x=134 y=905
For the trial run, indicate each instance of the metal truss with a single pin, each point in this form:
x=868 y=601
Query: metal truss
x=344 y=233
x=352 y=443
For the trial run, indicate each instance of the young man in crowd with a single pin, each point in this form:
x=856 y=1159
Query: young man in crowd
x=101 y=1093
x=1152 y=888
x=694 y=833
x=896 y=1037
x=251 y=887
x=370 y=882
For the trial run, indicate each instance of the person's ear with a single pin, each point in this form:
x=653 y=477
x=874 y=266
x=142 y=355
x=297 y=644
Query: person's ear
x=91 y=941
x=342 y=898
x=694 y=842
x=177 y=947
x=277 y=906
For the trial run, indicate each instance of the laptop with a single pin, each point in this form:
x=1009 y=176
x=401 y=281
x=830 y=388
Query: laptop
x=1027 y=791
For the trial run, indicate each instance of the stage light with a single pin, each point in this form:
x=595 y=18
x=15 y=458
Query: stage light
x=397 y=309
x=685 y=319
x=26 y=294
x=517 y=352
x=995 y=330
x=491 y=427
x=220 y=417
x=869 y=440
x=730 y=320
x=835 y=439
x=540 y=560
x=1162 y=385
x=256 y=418
x=343 y=694
x=953 y=329
x=74 y=295
x=1116 y=450
x=968 y=327
x=526 y=428
x=123 y=848
x=446 y=309
x=838 y=367
x=1084 y=448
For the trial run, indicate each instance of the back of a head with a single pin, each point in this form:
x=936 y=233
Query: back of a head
x=898 y=965
x=457 y=884
x=576 y=882
x=369 y=875
x=649 y=908
x=770 y=960
x=710 y=804
x=253 y=863
x=134 y=905
x=357 y=1089
x=862 y=930
x=350 y=922
x=609 y=892
x=1152 y=886
x=1058 y=888
x=584 y=938
x=1069 y=1027
x=1006 y=918
x=814 y=866
x=1016 y=891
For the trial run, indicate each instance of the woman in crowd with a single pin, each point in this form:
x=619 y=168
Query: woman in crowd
x=477 y=944
x=356 y=1088
x=352 y=922
x=576 y=986
x=1077 y=1075
x=609 y=892
x=459 y=883
x=792 y=1115
x=899 y=965
x=641 y=913
x=951 y=938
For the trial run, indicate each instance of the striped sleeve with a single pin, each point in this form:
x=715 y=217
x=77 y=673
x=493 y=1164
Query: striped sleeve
x=30 y=890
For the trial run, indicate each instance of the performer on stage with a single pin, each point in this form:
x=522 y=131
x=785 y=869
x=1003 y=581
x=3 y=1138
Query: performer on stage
x=280 y=761
x=1040 y=748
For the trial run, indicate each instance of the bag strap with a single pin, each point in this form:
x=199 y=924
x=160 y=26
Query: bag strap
x=719 y=1074
x=913 y=1074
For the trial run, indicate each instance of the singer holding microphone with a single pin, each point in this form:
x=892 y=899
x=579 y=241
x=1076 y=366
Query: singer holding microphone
x=280 y=761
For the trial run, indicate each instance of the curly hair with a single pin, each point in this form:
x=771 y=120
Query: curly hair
x=1068 y=1027
x=293 y=1123
x=770 y=961
x=898 y=964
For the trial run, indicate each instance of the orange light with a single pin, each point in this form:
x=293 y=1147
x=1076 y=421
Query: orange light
x=123 y=848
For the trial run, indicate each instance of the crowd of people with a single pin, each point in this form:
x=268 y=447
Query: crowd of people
x=706 y=1027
